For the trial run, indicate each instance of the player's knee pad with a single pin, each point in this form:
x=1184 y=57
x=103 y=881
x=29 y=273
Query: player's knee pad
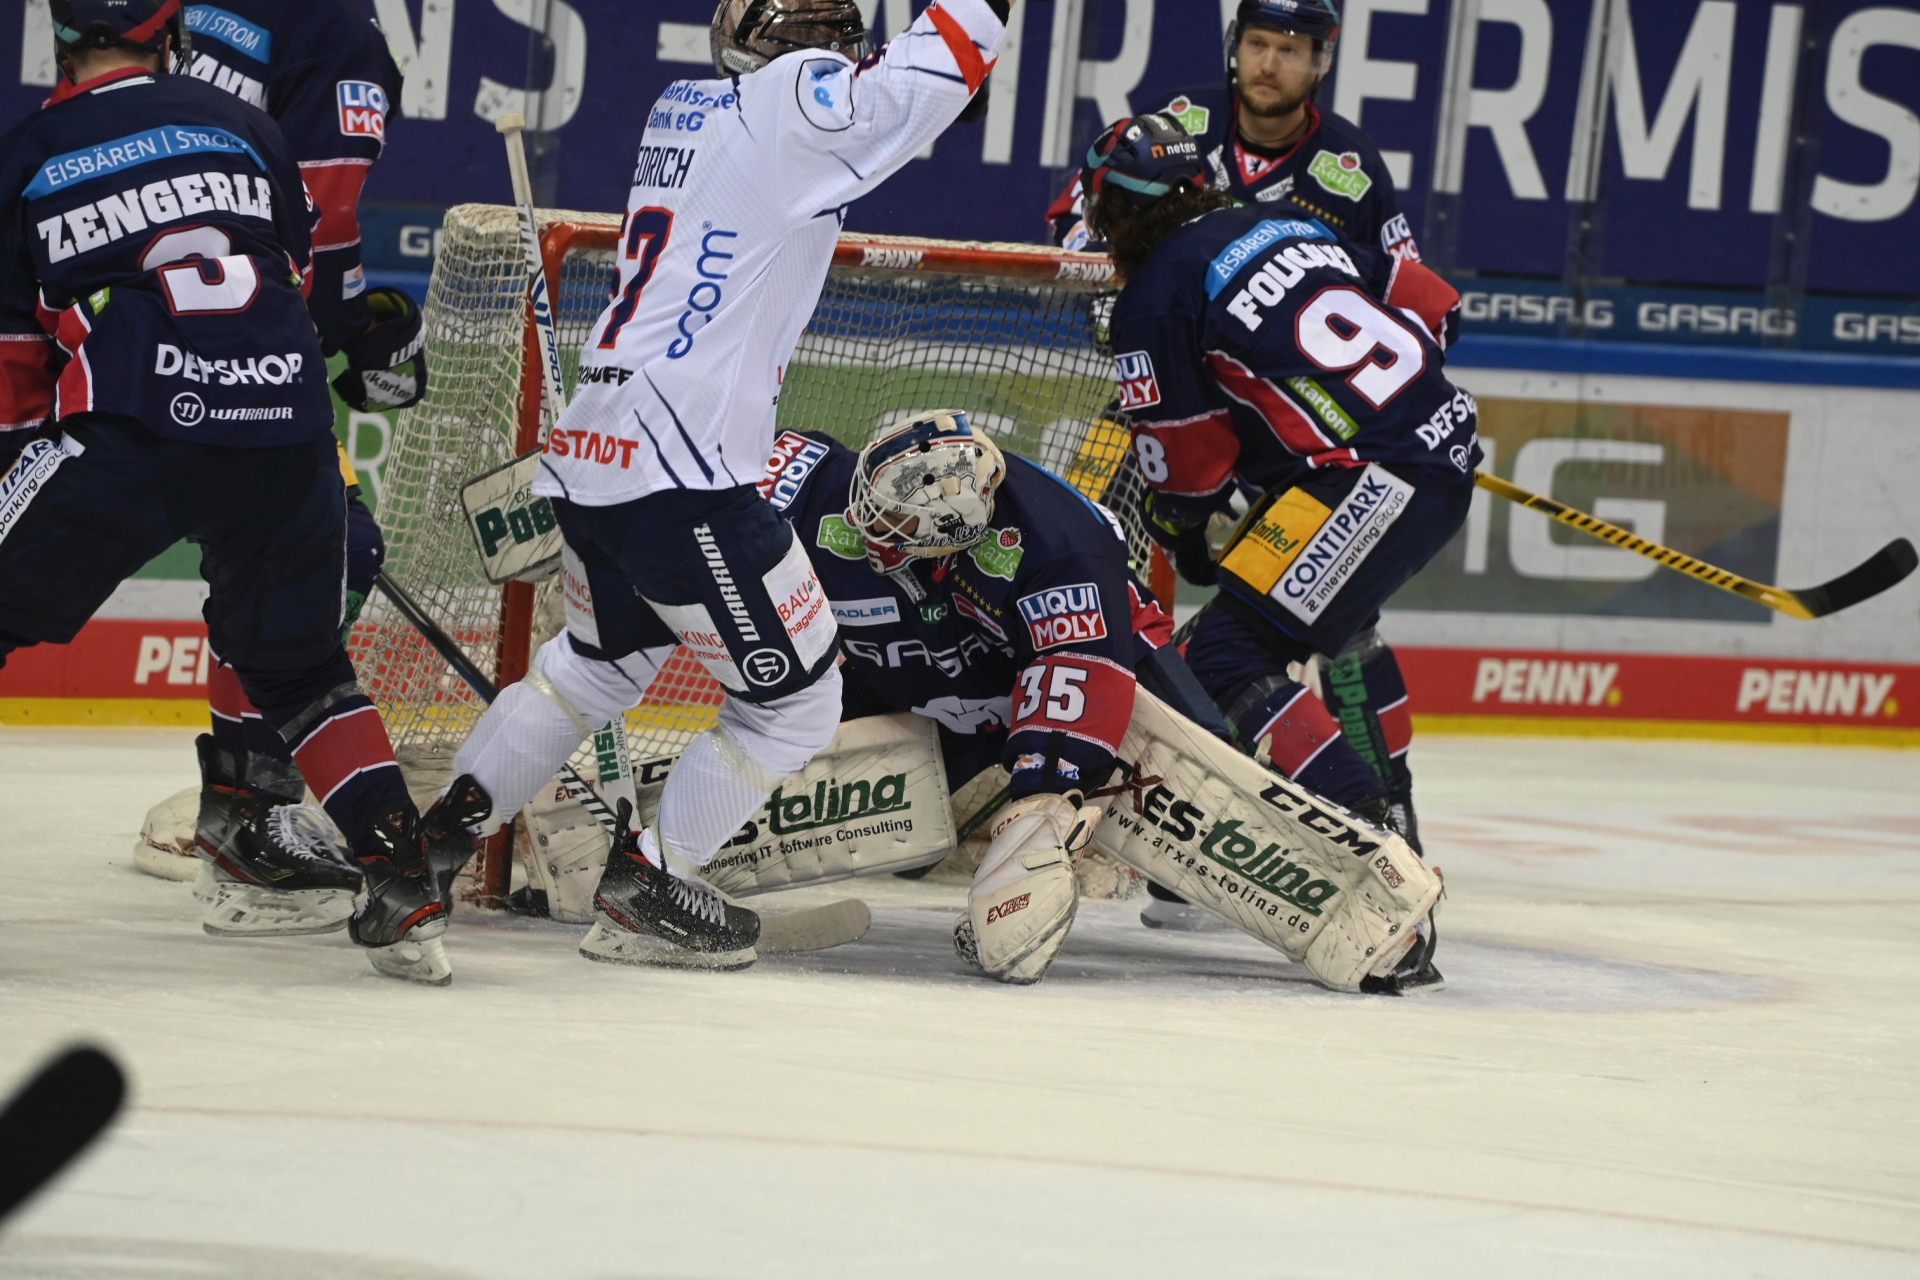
x=595 y=690
x=780 y=736
x=1022 y=900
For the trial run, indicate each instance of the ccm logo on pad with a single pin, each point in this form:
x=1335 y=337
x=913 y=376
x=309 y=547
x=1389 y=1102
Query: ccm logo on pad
x=1139 y=389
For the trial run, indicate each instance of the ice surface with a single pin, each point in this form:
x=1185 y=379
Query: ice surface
x=1679 y=1039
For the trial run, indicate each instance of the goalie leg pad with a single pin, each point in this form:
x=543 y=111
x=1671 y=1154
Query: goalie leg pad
x=1302 y=875
x=1022 y=900
x=873 y=802
x=566 y=851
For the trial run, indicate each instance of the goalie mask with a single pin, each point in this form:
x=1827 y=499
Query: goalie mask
x=926 y=488
x=748 y=34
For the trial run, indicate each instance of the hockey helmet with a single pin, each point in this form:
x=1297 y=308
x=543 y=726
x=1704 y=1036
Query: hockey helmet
x=925 y=488
x=1146 y=157
x=748 y=34
x=1318 y=20
x=108 y=24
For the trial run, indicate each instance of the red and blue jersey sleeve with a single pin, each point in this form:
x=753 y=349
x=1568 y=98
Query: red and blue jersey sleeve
x=1183 y=433
x=1073 y=625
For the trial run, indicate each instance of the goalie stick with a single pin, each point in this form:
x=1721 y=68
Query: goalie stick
x=807 y=929
x=1885 y=569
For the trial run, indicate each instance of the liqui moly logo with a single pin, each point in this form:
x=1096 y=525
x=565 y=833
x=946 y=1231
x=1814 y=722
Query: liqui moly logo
x=1063 y=615
x=363 y=109
x=794 y=458
x=1139 y=389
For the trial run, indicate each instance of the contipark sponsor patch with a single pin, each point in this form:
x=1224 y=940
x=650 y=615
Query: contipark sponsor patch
x=1343 y=543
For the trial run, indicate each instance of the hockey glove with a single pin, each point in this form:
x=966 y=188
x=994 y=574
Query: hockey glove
x=1184 y=542
x=386 y=365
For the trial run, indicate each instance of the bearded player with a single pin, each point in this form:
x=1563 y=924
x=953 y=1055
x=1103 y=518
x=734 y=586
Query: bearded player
x=738 y=195
x=323 y=72
x=1258 y=348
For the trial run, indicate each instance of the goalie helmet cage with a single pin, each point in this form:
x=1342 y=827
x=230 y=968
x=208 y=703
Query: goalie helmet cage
x=1014 y=334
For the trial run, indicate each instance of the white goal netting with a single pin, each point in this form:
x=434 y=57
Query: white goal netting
x=1011 y=333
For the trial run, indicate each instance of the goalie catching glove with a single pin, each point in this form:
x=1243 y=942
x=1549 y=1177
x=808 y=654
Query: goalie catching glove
x=386 y=365
x=1022 y=900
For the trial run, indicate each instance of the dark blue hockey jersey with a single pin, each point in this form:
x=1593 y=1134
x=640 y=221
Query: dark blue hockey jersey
x=1334 y=173
x=321 y=69
x=1255 y=343
x=1032 y=630
x=157 y=229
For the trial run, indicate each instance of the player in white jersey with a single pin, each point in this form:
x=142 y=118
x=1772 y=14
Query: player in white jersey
x=737 y=201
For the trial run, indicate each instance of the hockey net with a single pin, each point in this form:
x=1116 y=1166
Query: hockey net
x=1011 y=333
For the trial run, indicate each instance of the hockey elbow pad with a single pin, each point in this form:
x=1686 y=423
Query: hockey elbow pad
x=387 y=364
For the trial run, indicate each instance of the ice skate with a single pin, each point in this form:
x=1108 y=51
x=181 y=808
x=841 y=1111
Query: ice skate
x=273 y=867
x=447 y=835
x=1415 y=974
x=402 y=916
x=647 y=915
x=1169 y=911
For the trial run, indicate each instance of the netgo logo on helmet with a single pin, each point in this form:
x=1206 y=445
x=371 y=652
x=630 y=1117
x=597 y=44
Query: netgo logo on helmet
x=1063 y=615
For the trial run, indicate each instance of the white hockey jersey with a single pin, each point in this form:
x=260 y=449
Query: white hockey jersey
x=736 y=207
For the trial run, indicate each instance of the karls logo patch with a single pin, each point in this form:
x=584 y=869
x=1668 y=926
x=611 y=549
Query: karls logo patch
x=1063 y=615
x=842 y=539
x=999 y=554
x=1139 y=389
x=1343 y=543
x=363 y=109
x=793 y=460
x=1341 y=174
x=1193 y=119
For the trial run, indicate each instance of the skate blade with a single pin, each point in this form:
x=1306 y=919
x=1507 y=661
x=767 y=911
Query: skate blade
x=206 y=885
x=1185 y=920
x=610 y=944
x=815 y=929
x=422 y=960
x=250 y=911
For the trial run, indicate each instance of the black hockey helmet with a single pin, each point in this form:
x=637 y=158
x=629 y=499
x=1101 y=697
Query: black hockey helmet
x=1146 y=157
x=1318 y=20
x=108 y=24
x=748 y=34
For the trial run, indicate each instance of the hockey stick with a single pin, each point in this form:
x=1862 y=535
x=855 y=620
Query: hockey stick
x=809 y=929
x=1885 y=569
x=610 y=740
x=53 y=1119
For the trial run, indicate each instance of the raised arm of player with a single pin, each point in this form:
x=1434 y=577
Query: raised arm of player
x=867 y=121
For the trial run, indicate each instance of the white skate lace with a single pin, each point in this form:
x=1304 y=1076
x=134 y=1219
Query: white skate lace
x=697 y=899
x=304 y=832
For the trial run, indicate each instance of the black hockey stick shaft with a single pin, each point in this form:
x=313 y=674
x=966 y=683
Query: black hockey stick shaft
x=54 y=1118
x=1885 y=569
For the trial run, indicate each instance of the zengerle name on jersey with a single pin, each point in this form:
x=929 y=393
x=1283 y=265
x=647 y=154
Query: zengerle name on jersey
x=134 y=210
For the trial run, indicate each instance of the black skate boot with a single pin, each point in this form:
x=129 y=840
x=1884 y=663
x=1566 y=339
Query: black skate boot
x=1395 y=816
x=1415 y=974
x=403 y=915
x=450 y=842
x=648 y=915
x=271 y=866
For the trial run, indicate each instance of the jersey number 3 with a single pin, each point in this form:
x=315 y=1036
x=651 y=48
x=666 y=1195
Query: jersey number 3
x=210 y=279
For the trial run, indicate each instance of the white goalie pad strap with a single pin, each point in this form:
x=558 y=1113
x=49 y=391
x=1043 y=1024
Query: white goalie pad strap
x=1293 y=870
x=1023 y=897
x=875 y=801
x=564 y=849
